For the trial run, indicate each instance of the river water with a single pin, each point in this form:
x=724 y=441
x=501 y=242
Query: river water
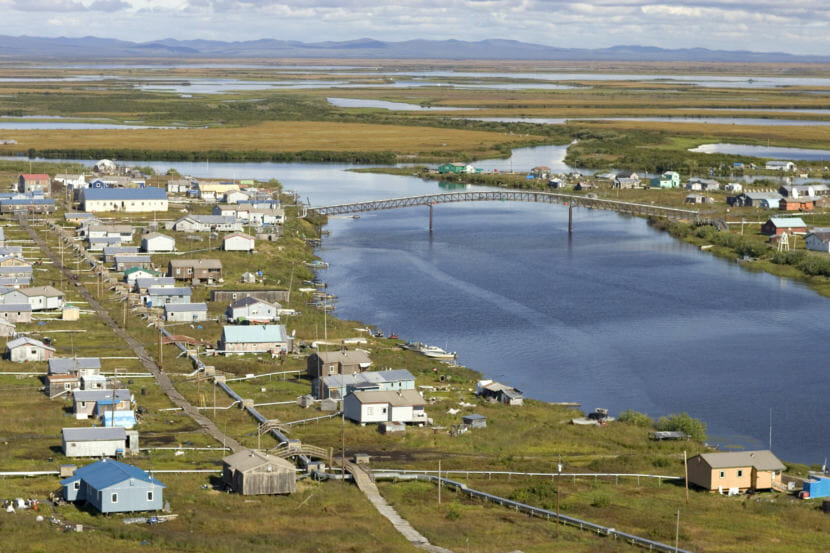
x=617 y=315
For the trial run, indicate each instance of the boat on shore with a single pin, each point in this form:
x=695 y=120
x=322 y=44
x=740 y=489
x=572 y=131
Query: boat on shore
x=430 y=351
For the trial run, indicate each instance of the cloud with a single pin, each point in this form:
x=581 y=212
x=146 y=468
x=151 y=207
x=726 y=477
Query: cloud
x=109 y=5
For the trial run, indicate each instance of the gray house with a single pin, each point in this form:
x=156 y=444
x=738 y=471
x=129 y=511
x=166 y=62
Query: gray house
x=111 y=251
x=338 y=386
x=75 y=365
x=16 y=312
x=185 y=312
x=24 y=349
x=254 y=473
x=253 y=310
x=98 y=441
x=128 y=261
x=113 y=487
x=158 y=297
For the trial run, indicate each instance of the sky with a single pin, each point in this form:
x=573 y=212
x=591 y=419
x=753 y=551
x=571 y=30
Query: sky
x=796 y=26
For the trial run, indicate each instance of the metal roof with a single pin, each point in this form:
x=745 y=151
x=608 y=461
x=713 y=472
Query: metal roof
x=184 y=307
x=248 y=300
x=95 y=434
x=70 y=364
x=127 y=257
x=26 y=341
x=151 y=282
x=236 y=334
x=372 y=377
x=106 y=472
x=47 y=291
x=203 y=263
x=762 y=459
x=101 y=395
x=348 y=357
x=181 y=291
x=402 y=398
x=119 y=194
x=9 y=307
x=788 y=222
x=248 y=459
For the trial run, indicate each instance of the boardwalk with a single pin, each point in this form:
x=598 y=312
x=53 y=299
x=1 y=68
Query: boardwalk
x=508 y=196
x=368 y=487
x=141 y=352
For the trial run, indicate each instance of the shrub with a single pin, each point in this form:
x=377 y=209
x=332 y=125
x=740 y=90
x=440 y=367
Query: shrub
x=682 y=422
x=636 y=418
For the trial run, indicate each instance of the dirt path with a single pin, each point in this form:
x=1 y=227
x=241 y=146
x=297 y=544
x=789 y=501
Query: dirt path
x=161 y=378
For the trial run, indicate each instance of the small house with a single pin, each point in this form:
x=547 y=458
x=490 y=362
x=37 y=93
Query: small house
x=735 y=470
x=70 y=312
x=13 y=296
x=669 y=179
x=230 y=296
x=98 y=442
x=250 y=472
x=326 y=363
x=779 y=225
x=802 y=203
x=60 y=384
x=456 y=168
x=110 y=252
x=143 y=284
x=123 y=232
x=75 y=365
x=780 y=166
x=88 y=403
x=474 y=421
x=406 y=406
x=338 y=386
x=130 y=200
x=248 y=278
x=133 y=274
x=99 y=244
x=185 y=312
x=496 y=391
x=156 y=242
x=699 y=199
x=819 y=240
x=25 y=349
x=242 y=339
x=28 y=183
x=733 y=188
x=238 y=242
x=113 y=487
x=44 y=297
x=196 y=270
x=205 y=223
x=128 y=261
x=158 y=297
x=252 y=310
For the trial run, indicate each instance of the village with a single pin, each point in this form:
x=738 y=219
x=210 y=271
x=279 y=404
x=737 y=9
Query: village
x=131 y=303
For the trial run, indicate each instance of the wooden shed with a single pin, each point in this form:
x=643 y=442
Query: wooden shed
x=252 y=472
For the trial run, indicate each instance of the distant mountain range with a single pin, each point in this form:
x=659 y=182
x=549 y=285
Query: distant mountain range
x=85 y=48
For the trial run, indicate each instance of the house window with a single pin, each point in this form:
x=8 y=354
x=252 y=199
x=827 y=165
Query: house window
x=740 y=472
x=370 y=410
x=77 y=482
x=149 y=496
x=114 y=498
x=722 y=474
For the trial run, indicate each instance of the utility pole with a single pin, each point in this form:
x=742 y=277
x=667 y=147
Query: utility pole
x=770 y=429
x=677 y=532
x=439 y=481
x=343 y=441
x=686 y=470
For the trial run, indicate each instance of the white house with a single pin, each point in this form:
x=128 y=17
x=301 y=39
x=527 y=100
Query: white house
x=780 y=166
x=241 y=339
x=235 y=197
x=238 y=242
x=136 y=273
x=205 y=223
x=142 y=284
x=44 y=297
x=98 y=441
x=157 y=297
x=24 y=349
x=156 y=242
x=733 y=188
x=123 y=232
x=819 y=240
x=131 y=200
x=405 y=406
x=185 y=312
x=253 y=310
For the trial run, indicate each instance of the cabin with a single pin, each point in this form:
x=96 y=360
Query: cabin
x=13 y=296
x=60 y=384
x=44 y=297
x=158 y=297
x=627 y=180
x=129 y=200
x=238 y=242
x=99 y=244
x=122 y=232
x=242 y=339
x=98 y=442
x=496 y=391
x=253 y=310
x=776 y=226
x=34 y=183
x=818 y=239
x=474 y=421
x=24 y=349
x=735 y=470
x=797 y=204
x=708 y=185
x=195 y=270
x=156 y=242
x=112 y=487
x=406 y=406
x=326 y=363
x=699 y=199
x=733 y=188
x=185 y=312
x=338 y=386
x=22 y=205
x=455 y=167
x=252 y=215
x=214 y=190
x=234 y=197
x=250 y=472
x=124 y=261
x=764 y=200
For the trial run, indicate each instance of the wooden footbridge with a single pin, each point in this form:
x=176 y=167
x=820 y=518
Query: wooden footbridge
x=570 y=200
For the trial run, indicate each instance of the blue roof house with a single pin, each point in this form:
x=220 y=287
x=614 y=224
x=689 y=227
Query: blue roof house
x=113 y=487
x=132 y=200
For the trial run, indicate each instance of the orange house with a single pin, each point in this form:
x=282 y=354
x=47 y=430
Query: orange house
x=738 y=470
x=796 y=204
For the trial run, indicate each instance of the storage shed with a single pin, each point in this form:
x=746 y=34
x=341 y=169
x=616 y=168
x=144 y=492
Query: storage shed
x=475 y=421
x=250 y=472
x=239 y=242
x=185 y=312
x=98 y=442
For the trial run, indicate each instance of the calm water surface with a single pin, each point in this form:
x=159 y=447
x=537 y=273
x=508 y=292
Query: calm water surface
x=617 y=316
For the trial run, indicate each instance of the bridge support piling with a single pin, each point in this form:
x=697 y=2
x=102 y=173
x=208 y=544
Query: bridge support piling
x=570 y=219
x=430 y=218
